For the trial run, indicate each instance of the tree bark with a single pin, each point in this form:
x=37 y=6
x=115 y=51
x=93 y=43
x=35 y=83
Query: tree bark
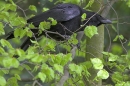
x=95 y=45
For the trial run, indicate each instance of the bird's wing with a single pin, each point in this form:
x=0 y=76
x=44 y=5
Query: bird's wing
x=59 y=13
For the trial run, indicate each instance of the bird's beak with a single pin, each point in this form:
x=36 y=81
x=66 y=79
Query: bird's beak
x=106 y=21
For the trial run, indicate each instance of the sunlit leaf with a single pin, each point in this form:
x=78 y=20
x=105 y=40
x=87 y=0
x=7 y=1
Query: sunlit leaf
x=103 y=74
x=83 y=16
x=2 y=50
x=97 y=63
x=117 y=76
x=42 y=76
x=59 y=68
x=17 y=76
x=5 y=43
x=111 y=56
x=33 y=8
x=2 y=81
x=90 y=3
x=66 y=58
x=20 y=52
x=90 y=31
x=26 y=67
x=17 y=21
x=75 y=68
x=10 y=62
x=19 y=33
x=29 y=34
x=37 y=58
x=118 y=36
x=53 y=21
x=44 y=25
x=2 y=32
x=45 y=9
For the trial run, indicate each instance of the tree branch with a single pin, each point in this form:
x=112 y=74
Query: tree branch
x=66 y=70
x=107 y=8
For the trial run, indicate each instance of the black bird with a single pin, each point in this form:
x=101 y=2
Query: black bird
x=68 y=17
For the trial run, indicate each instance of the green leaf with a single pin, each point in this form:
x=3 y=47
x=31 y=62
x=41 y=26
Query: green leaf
x=117 y=77
x=29 y=56
x=90 y=3
x=2 y=81
x=128 y=3
x=53 y=21
x=17 y=21
x=76 y=68
x=2 y=32
x=2 y=50
x=112 y=57
x=27 y=67
x=29 y=34
x=121 y=37
x=45 y=9
x=17 y=76
x=73 y=39
x=19 y=33
x=10 y=62
x=20 y=52
x=42 y=76
x=48 y=71
x=51 y=0
x=50 y=46
x=103 y=74
x=4 y=16
x=83 y=16
x=116 y=49
x=66 y=58
x=33 y=8
x=31 y=26
x=72 y=1
x=13 y=7
x=15 y=63
x=129 y=44
x=12 y=81
x=44 y=25
x=90 y=31
x=37 y=58
x=113 y=27
x=97 y=63
x=34 y=42
x=118 y=36
x=5 y=71
x=5 y=43
x=59 y=68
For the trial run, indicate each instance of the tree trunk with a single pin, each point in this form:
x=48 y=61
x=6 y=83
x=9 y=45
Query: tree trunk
x=95 y=47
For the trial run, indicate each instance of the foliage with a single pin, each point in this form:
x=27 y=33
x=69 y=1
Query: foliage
x=43 y=64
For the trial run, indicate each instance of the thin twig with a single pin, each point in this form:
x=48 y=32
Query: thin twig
x=66 y=70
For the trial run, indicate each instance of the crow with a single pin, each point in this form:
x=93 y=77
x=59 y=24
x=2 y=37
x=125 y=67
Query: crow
x=69 y=21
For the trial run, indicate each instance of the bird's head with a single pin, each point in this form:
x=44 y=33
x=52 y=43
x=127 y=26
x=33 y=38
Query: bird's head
x=102 y=19
x=95 y=19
